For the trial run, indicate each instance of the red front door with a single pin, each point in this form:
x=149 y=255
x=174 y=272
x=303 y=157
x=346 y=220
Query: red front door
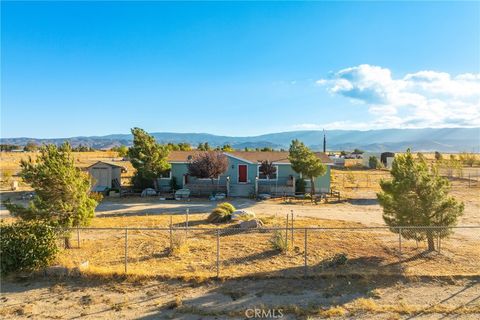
x=242 y=173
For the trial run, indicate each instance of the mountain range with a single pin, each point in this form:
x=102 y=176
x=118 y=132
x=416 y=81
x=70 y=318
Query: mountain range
x=428 y=139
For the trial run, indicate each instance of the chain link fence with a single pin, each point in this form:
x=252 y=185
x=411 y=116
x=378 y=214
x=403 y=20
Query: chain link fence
x=276 y=252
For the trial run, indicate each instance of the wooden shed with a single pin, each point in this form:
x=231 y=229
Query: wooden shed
x=105 y=175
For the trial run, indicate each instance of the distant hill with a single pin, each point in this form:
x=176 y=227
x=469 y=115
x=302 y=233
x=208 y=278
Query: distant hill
x=430 y=139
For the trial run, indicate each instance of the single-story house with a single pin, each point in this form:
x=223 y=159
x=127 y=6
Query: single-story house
x=105 y=175
x=386 y=158
x=243 y=177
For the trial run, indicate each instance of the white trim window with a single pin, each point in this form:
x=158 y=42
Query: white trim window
x=261 y=176
x=166 y=175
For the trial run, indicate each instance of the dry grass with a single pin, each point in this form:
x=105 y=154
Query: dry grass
x=368 y=251
x=10 y=162
x=364 y=305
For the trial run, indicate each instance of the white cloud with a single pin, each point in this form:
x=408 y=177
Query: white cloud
x=422 y=99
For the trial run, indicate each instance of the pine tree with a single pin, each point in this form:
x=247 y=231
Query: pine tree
x=62 y=191
x=305 y=162
x=148 y=157
x=418 y=196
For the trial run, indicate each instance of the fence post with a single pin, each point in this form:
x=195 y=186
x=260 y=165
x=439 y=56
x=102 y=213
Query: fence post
x=439 y=244
x=186 y=223
x=400 y=243
x=305 y=270
x=171 y=234
x=439 y=240
x=218 y=253
x=126 y=249
x=292 y=227
x=286 y=233
x=78 y=237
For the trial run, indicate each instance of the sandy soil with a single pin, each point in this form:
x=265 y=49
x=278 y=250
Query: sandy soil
x=393 y=298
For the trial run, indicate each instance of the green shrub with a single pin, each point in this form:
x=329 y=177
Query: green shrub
x=278 y=241
x=173 y=184
x=374 y=163
x=27 y=246
x=338 y=259
x=227 y=206
x=300 y=185
x=219 y=215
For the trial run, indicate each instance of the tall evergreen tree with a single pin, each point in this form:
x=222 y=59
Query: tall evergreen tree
x=62 y=191
x=148 y=157
x=418 y=196
x=305 y=162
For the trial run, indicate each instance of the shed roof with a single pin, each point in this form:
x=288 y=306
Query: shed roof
x=249 y=156
x=108 y=163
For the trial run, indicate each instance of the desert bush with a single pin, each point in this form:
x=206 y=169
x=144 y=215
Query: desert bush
x=227 y=206
x=278 y=241
x=219 y=215
x=27 y=245
x=468 y=159
x=179 y=244
x=338 y=259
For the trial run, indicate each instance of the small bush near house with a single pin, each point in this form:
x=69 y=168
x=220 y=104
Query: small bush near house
x=219 y=215
x=373 y=163
x=140 y=183
x=173 y=184
x=278 y=241
x=27 y=245
x=227 y=206
x=300 y=185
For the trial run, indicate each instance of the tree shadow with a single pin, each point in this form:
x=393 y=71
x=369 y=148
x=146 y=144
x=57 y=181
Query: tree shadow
x=363 y=202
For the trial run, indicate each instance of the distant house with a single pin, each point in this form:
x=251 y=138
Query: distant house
x=105 y=175
x=243 y=177
x=386 y=158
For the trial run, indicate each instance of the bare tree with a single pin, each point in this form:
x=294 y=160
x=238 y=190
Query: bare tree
x=208 y=165
x=267 y=168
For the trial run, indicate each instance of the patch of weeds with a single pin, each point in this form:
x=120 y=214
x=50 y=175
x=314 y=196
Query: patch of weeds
x=235 y=294
x=174 y=304
x=179 y=245
x=119 y=306
x=57 y=288
x=364 y=304
x=23 y=310
x=278 y=241
x=86 y=300
x=336 y=311
x=338 y=259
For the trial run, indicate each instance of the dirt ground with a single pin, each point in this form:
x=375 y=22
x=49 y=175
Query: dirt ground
x=341 y=297
x=354 y=298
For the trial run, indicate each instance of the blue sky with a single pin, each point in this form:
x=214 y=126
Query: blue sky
x=95 y=68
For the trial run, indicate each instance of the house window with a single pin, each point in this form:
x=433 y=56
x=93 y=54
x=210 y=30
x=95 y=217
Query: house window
x=166 y=175
x=262 y=176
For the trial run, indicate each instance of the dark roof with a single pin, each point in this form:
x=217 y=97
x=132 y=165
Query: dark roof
x=249 y=156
